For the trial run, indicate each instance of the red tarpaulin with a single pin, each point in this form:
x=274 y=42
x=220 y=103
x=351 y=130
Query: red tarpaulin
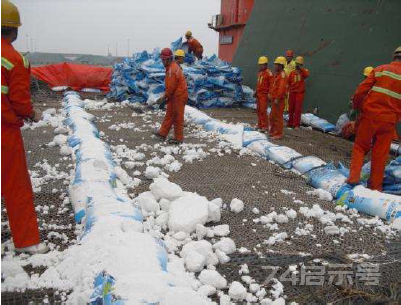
x=74 y=76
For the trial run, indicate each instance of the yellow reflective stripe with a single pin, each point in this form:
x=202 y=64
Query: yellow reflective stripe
x=4 y=89
x=389 y=74
x=387 y=92
x=26 y=62
x=6 y=64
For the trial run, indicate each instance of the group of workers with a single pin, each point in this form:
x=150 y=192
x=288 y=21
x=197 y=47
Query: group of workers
x=283 y=89
x=286 y=86
x=378 y=100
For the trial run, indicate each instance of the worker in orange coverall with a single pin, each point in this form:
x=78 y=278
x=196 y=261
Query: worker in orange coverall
x=176 y=96
x=277 y=95
x=296 y=84
x=288 y=68
x=16 y=188
x=379 y=99
x=194 y=45
x=265 y=78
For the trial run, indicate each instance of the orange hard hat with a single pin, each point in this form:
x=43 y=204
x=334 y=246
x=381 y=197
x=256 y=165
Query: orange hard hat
x=166 y=53
x=289 y=53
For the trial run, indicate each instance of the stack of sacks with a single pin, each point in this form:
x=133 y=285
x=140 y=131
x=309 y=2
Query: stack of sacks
x=211 y=82
x=318 y=173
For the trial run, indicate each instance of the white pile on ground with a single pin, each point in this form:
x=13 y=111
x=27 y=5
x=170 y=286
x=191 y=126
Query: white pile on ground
x=237 y=291
x=198 y=210
x=50 y=117
x=112 y=245
x=321 y=194
x=182 y=215
x=236 y=205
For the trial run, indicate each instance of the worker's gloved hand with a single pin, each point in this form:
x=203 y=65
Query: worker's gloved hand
x=37 y=115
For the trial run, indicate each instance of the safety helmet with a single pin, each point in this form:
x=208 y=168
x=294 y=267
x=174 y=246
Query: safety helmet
x=9 y=15
x=398 y=50
x=367 y=71
x=179 y=53
x=263 y=60
x=188 y=34
x=289 y=53
x=299 y=60
x=280 y=60
x=166 y=53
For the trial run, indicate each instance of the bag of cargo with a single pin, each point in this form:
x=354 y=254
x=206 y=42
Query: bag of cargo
x=395 y=149
x=282 y=155
x=374 y=203
x=307 y=163
x=252 y=136
x=394 y=189
x=316 y=122
x=261 y=147
x=342 y=120
x=392 y=173
x=327 y=177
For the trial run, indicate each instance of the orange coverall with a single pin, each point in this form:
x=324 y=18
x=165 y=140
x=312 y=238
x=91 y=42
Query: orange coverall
x=278 y=91
x=379 y=98
x=195 y=47
x=176 y=96
x=264 y=81
x=296 y=83
x=288 y=68
x=16 y=187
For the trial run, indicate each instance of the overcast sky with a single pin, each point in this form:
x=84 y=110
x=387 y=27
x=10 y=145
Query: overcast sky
x=88 y=26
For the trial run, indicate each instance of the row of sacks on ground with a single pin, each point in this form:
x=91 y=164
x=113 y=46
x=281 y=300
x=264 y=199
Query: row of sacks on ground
x=319 y=174
x=309 y=119
x=98 y=194
x=211 y=82
x=310 y=165
x=96 y=174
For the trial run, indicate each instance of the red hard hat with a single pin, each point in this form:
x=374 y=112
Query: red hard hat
x=289 y=53
x=166 y=53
